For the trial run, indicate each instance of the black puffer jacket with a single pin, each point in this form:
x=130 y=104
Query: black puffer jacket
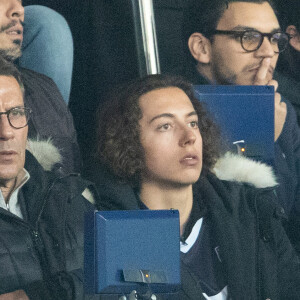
x=43 y=253
x=259 y=260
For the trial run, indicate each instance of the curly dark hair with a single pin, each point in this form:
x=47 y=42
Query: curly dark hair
x=118 y=143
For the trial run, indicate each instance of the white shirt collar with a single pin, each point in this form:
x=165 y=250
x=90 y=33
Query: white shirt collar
x=13 y=205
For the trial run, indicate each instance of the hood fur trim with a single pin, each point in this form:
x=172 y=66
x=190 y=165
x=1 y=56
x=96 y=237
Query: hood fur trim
x=231 y=167
x=45 y=153
x=242 y=169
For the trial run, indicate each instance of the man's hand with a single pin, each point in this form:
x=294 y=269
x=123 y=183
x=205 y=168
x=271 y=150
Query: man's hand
x=16 y=295
x=279 y=107
x=279 y=115
x=261 y=77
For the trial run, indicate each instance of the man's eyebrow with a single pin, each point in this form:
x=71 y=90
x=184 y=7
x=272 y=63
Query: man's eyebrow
x=164 y=115
x=243 y=28
x=18 y=106
x=169 y=115
x=192 y=113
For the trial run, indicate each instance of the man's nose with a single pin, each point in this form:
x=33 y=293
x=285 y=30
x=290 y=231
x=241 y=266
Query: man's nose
x=266 y=49
x=6 y=131
x=188 y=136
x=15 y=10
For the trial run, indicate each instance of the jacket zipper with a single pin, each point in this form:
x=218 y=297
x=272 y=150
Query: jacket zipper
x=35 y=232
x=36 y=235
x=47 y=194
x=37 y=241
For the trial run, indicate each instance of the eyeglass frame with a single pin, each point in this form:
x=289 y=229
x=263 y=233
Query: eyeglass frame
x=27 y=111
x=240 y=34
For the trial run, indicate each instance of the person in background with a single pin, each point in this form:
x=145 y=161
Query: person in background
x=289 y=62
x=47 y=47
x=238 y=43
x=288 y=67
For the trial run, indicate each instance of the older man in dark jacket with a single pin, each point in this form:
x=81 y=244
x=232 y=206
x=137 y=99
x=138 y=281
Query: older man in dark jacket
x=51 y=117
x=41 y=212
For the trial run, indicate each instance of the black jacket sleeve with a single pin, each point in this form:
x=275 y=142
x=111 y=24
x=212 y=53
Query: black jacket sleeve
x=288 y=264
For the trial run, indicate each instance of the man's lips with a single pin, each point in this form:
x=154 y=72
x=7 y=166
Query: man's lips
x=190 y=160
x=8 y=153
x=15 y=30
x=253 y=69
x=7 y=157
x=256 y=68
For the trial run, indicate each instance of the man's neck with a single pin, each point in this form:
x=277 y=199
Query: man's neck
x=156 y=196
x=7 y=188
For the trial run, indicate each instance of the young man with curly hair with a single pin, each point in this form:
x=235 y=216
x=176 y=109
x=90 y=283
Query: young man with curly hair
x=163 y=152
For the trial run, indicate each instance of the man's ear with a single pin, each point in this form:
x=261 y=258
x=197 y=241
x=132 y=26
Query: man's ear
x=295 y=34
x=200 y=47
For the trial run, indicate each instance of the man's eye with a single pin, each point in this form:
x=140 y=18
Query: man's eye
x=17 y=112
x=164 y=127
x=193 y=124
x=251 y=37
x=275 y=38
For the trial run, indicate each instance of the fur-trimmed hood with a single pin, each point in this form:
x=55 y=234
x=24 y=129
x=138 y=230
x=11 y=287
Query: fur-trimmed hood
x=48 y=157
x=233 y=167
x=45 y=153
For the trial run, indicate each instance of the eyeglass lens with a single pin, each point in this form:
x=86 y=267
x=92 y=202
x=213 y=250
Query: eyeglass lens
x=18 y=117
x=252 y=40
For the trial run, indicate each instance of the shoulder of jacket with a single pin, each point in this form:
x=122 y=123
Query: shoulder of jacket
x=232 y=167
x=27 y=73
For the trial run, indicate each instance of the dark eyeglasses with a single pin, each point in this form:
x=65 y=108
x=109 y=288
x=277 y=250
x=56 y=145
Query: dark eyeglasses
x=251 y=40
x=18 y=117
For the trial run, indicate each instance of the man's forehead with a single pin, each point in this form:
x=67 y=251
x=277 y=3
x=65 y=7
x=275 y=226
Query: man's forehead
x=5 y=1
x=10 y=91
x=260 y=16
x=9 y=81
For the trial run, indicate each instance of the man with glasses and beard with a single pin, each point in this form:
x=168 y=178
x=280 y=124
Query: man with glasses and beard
x=238 y=43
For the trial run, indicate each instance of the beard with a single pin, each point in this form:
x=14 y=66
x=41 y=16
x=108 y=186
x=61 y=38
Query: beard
x=11 y=54
x=223 y=75
x=225 y=79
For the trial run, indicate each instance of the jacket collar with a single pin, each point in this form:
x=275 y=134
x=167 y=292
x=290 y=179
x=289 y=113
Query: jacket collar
x=42 y=157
